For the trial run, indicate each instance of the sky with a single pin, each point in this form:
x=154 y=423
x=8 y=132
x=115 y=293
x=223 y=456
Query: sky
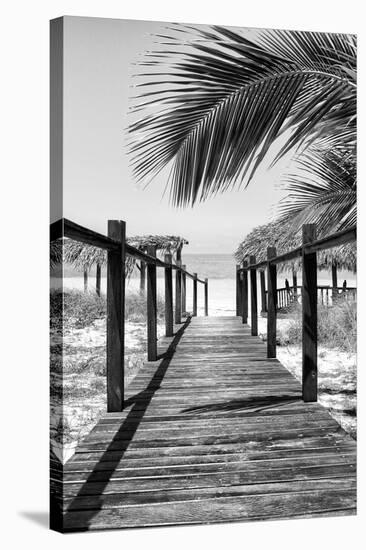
x=99 y=58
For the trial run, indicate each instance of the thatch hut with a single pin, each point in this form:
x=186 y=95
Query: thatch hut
x=84 y=257
x=282 y=235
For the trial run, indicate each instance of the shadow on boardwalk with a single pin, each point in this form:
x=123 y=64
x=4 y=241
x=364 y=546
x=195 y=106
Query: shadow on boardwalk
x=250 y=405
x=132 y=420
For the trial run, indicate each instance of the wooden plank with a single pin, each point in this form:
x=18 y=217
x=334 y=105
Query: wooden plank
x=215 y=424
x=216 y=510
x=142 y=277
x=262 y=278
x=253 y=297
x=245 y=293
x=206 y=297
x=272 y=304
x=195 y=295
x=116 y=317
x=152 y=352
x=184 y=291
x=178 y=295
x=168 y=275
x=309 y=318
x=98 y=277
x=238 y=291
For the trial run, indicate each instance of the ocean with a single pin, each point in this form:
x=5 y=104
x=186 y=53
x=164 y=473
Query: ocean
x=218 y=268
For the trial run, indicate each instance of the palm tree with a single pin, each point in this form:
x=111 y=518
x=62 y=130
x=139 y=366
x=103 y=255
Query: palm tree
x=321 y=190
x=214 y=103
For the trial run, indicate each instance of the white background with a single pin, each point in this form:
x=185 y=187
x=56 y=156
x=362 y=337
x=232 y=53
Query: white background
x=24 y=273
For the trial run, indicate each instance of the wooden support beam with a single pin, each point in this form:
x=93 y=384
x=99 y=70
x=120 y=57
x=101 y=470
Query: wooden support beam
x=206 y=297
x=334 y=282
x=238 y=290
x=262 y=277
x=178 y=295
x=253 y=296
x=116 y=317
x=195 y=294
x=272 y=304
x=168 y=275
x=98 y=277
x=294 y=283
x=85 y=279
x=142 y=277
x=184 y=291
x=309 y=318
x=152 y=349
x=244 y=294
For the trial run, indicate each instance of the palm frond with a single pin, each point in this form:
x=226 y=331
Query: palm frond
x=322 y=190
x=213 y=106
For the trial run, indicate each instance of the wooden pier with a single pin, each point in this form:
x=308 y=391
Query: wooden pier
x=213 y=431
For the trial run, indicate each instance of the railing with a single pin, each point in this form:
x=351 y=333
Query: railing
x=327 y=295
x=117 y=250
x=309 y=297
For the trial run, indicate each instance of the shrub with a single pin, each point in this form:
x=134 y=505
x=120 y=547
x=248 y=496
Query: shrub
x=337 y=326
x=135 y=309
x=81 y=309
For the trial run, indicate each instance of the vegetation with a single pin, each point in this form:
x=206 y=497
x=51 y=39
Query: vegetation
x=216 y=101
x=81 y=309
x=337 y=326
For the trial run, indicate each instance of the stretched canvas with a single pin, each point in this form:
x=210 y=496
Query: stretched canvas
x=203 y=274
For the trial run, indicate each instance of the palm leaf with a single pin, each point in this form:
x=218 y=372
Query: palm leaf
x=322 y=190
x=213 y=106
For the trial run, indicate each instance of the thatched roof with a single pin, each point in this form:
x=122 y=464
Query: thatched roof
x=83 y=256
x=55 y=253
x=281 y=234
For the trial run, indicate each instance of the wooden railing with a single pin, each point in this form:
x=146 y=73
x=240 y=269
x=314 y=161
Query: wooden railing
x=117 y=250
x=309 y=297
x=326 y=295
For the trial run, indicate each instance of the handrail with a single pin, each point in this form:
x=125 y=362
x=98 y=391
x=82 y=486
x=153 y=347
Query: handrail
x=72 y=230
x=118 y=248
x=276 y=298
x=336 y=239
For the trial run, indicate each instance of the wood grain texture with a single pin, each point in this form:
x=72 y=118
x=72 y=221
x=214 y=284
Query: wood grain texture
x=272 y=304
x=116 y=317
x=253 y=297
x=168 y=276
x=152 y=312
x=214 y=431
x=244 y=293
x=309 y=318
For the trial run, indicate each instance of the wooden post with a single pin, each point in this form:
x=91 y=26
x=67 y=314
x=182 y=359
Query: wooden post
x=334 y=282
x=142 y=277
x=116 y=318
x=98 y=279
x=263 y=291
x=184 y=290
x=272 y=303
x=245 y=293
x=309 y=318
x=178 y=295
x=206 y=297
x=238 y=304
x=294 y=283
x=85 y=278
x=152 y=352
x=253 y=296
x=195 y=294
x=168 y=274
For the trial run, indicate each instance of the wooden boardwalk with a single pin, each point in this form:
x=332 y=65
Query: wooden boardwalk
x=213 y=431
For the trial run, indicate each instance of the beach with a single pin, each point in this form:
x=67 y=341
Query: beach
x=78 y=386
